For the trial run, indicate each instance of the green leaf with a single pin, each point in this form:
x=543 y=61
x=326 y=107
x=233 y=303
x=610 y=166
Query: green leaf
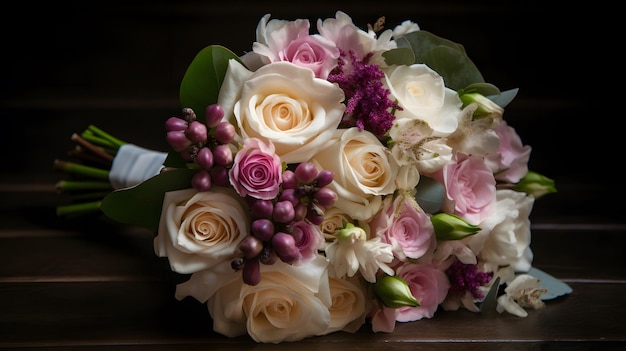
x=504 y=98
x=174 y=160
x=141 y=205
x=202 y=81
x=489 y=303
x=399 y=56
x=446 y=57
x=429 y=194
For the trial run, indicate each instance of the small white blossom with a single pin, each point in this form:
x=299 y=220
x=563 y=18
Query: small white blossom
x=352 y=252
x=522 y=292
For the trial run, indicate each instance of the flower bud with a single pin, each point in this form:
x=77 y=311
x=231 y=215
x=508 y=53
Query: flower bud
x=201 y=181
x=250 y=247
x=251 y=272
x=224 y=132
x=204 y=158
x=189 y=114
x=175 y=123
x=486 y=107
x=306 y=172
x=219 y=175
x=223 y=155
x=214 y=114
x=285 y=246
x=351 y=233
x=452 y=227
x=263 y=229
x=177 y=140
x=325 y=197
x=196 y=132
x=289 y=180
x=394 y=292
x=261 y=208
x=324 y=177
x=535 y=184
x=284 y=212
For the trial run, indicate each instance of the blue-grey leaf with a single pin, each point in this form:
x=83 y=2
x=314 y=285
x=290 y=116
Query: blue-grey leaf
x=554 y=286
x=429 y=194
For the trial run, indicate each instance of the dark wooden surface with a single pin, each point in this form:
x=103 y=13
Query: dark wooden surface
x=96 y=285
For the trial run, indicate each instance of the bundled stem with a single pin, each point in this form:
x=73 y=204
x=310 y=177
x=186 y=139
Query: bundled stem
x=88 y=172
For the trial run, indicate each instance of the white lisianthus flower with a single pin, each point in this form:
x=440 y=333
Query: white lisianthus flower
x=282 y=103
x=200 y=229
x=422 y=94
x=475 y=136
x=523 y=292
x=363 y=170
x=505 y=236
x=413 y=144
x=352 y=252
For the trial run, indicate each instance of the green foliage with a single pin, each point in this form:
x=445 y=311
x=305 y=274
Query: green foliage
x=446 y=57
x=203 y=79
x=141 y=205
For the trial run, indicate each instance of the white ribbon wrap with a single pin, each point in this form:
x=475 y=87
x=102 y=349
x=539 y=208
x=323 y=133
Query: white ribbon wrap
x=133 y=164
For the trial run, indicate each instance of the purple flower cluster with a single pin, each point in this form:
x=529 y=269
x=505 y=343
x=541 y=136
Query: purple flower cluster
x=466 y=278
x=368 y=106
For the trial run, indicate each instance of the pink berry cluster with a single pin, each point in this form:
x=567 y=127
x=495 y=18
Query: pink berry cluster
x=204 y=145
x=273 y=235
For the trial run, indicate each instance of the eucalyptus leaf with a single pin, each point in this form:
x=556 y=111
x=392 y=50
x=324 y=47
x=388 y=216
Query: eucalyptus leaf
x=141 y=205
x=399 y=56
x=554 y=286
x=504 y=98
x=489 y=303
x=201 y=83
x=429 y=194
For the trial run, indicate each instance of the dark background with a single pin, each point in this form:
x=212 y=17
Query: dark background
x=118 y=65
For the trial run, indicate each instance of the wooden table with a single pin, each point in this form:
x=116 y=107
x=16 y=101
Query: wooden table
x=95 y=285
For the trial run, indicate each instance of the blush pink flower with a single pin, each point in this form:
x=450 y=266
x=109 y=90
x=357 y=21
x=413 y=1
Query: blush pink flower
x=406 y=227
x=290 y=41
x=256 y=170
x=470 y=188
x=428 y=284
x=511 y=161
x=308 y=237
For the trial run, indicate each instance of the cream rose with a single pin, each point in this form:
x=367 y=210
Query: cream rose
x=200 y=229
x=289 y=304
x=364 y=171
x=348 y=309
x=423 y=96
x=282 y=103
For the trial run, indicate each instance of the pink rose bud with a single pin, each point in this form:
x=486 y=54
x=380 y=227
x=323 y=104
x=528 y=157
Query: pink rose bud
x=285 y=246
x=263 y=229
x=177 y=140
x=214 y=114
x=219 y=175
x=222 y=155
x=283 y=212
x=201 y=181
x=324 y=177
x=325 y=197
x=175 y=123
x=250 y=247
x=204 y=158
x=252 y=272
x=261 y=208
x=306 y=172
x=289 y=180
x=196 y=132
x=224 y=132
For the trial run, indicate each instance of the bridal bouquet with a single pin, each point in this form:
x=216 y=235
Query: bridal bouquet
x=324 y=181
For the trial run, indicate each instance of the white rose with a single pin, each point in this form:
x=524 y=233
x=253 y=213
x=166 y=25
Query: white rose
x=289 y=304
x=285 y=104
x=505 y=237
x=200 y=229
x=363 y=171
x=422 y=94
x=348 y=309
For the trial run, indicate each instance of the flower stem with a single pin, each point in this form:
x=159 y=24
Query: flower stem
x=99 y=132
x=91 y=147
x=78 y=209
x=79 y=169
x=81 y=185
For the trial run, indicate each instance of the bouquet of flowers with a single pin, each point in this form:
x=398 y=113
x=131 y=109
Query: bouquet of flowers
x=321 y=182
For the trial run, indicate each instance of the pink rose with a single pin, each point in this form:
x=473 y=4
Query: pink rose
x=428 y=284
x=470 y=188
x=290 y=41
x=511 y=161
x=406 y=227
x=309 y=238
x=256 y=170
